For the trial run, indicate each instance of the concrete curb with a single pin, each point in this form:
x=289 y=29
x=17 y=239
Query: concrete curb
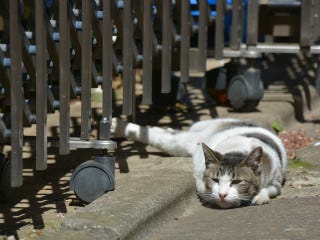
x=139 y=204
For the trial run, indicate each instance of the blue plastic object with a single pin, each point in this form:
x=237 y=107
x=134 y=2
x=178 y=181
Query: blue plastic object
x=228 y=17
x=49 y=3
x=32 y=49
x=56 y=36
x=6 y=62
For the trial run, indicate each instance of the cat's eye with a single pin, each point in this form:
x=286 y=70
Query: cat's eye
x=215 y=180
x=234 y=182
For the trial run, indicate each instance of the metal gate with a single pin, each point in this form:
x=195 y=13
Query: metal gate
x=52 y=51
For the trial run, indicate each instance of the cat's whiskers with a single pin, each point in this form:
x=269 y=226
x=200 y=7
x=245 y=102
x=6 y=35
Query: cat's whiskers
x=244 y=197
x=236 y=201
x=206 y=197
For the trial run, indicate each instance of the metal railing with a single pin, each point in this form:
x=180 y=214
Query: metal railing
x=52 y=51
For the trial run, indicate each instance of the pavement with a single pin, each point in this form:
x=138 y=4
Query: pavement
x=155 y=198
x=292 y=218
x=274 y=221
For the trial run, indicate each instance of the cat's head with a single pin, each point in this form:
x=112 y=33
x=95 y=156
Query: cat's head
x=231 y=179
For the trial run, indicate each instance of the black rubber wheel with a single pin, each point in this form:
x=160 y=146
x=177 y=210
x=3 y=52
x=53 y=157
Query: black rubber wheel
x=245 y=92
x=91 y=180
x=237 y=92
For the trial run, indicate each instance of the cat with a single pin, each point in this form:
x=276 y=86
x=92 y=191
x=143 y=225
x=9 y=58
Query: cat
x=235 y=163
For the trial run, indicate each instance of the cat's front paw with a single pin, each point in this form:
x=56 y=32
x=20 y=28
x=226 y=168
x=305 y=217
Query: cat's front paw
x=261 y=198
x=117 y=127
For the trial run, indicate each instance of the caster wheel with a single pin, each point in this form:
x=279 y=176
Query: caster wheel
x=92 y=179
x=245 y=91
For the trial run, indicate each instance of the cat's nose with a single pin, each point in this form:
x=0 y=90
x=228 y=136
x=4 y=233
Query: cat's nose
x=223 y=195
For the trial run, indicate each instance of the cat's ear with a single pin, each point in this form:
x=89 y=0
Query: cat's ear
x=254 y=159
x=210 y=155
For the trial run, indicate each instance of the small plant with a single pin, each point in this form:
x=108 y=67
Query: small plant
x=276 y=126
x=298 y=164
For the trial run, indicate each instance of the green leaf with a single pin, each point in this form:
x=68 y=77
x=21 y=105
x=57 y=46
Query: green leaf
x=277 y=127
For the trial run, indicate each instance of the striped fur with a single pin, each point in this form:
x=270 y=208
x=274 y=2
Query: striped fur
x=232 y=147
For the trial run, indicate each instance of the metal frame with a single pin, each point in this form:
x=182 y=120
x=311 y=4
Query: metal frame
x=252 y=48
x=68 y=43
x=60 y=56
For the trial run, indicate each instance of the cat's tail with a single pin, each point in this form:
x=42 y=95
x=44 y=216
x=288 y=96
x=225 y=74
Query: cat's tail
x=175 y=143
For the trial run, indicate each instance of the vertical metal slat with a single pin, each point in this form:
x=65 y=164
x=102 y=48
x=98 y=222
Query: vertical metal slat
x=219 y=32
x=104 y=129
x=316 y=21
x=166 y=47
x=236 y=25
x=202 y=35
x=41 y=86
x=16 y=97
x=185 y=41
x=147 y=52
x=252 y=22
x=128 y=86
x=306 y=31
x=86 y=70
x=64 y=73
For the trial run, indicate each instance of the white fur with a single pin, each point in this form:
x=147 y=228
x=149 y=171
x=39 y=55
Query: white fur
x=188 y=143
x=225 y=188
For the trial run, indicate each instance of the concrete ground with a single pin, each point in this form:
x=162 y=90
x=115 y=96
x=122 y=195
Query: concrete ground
x=155 y=194
x=286 y=218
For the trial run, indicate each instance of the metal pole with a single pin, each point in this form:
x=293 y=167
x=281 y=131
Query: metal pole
x=219 y=33
x=236 y=25
x=185 y=41
x=202 y=35
x=16 y=97
x=65 y=74
x=104 y=129
x=166 y=47
x=41 y=86
x=128 y=86
x=252 y=22
x=147 y=52
x=86 y=70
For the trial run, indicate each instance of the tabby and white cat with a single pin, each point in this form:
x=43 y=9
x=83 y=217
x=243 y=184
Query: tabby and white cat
x=235 y=162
